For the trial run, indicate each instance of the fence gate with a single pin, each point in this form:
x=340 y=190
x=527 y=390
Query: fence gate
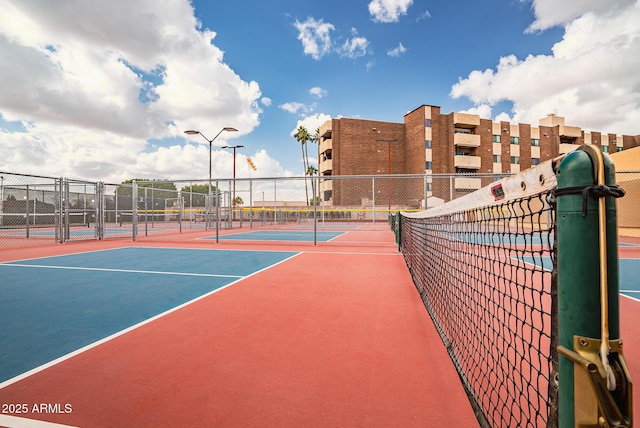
x=79 y=210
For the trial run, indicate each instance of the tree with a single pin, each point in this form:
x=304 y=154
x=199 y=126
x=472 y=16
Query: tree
x=161 y=188
x=196 y=194
x=311 y=171
x=302 y=136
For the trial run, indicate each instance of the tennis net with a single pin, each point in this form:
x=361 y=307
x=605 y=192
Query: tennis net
x=484 y=267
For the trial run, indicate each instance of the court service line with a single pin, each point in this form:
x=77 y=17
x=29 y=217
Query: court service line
x=131 y=328
x=16 y=422
x=121 y=270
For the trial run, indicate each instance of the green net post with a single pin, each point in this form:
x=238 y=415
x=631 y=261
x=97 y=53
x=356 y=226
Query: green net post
x=579 y=302
x=399 y=230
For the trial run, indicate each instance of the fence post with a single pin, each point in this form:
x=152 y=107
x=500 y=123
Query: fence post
x=134 y=210
x=218 y=203
x=26 y=211
x=373 y=200
x=275 y=203
x=58 y=211
x=100 y=210
x=250 y=203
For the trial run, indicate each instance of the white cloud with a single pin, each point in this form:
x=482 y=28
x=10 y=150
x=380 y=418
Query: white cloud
x=94 y=81
x=318 y=92
x=424 y=15
x=354 y=47
x=592 y=78
x=388 y=10
x=266 y=101
x=295 y=107
x=311 y=123
x=315 y=37
x=483 y=110
x=550 y=13
x=397 y=51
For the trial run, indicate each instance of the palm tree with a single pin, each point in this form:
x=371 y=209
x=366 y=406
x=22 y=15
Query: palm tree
x=311 y=171
x=302 y=136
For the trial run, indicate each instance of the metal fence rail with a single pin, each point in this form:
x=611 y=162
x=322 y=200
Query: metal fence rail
x=38 y=210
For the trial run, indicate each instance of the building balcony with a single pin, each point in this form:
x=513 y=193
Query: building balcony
x=325 y=129
x=465 y=120
x=326 y=165
x=570 y=131
x=468 y=183
x=326 y=185
x=466 y=140
x=326 y=145
x=567 y=148
x=467 y=162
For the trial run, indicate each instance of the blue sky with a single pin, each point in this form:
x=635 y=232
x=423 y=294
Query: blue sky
x=104 y=90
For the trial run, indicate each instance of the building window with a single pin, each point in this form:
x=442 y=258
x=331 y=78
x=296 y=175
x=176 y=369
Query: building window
x=515 y=140
x=515 y=160
x=496 y=138
x=427 y=144
x=618 y=149
x=497 y=158
x=428 y=165
x=535 y=142
x=605 y=149
x=535 y=161
x=427 y=123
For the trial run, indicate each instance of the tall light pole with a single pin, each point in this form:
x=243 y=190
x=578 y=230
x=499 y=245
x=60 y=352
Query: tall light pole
x=233 y=201
x=194 y=132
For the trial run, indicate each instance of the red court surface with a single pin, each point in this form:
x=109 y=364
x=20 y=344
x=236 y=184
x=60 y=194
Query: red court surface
x=336 y=336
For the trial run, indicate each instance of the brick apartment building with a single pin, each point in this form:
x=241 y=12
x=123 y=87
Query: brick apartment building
x=432 y=143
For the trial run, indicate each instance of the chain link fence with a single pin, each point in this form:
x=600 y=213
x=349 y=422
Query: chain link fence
x=629 y=205
x=37 y=210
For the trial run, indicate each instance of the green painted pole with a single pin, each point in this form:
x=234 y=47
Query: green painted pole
x=577 y=238
x=398 y=230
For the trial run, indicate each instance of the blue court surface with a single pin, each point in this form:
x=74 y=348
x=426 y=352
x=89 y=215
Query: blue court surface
x=503 y=238
x=339 y=226
x=628 y=273
x=56 y=305
x=282 y=235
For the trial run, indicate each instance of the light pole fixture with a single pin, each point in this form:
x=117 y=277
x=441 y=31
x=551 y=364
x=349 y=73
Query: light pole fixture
x=233 y=201
x=194 y=132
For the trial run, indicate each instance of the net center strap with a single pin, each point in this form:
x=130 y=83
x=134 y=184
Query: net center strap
x=593 y=191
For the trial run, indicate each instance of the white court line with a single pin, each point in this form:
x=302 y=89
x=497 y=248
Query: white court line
x=121 y=270
x=133 y=327
x=630 y=297
x=16 y=422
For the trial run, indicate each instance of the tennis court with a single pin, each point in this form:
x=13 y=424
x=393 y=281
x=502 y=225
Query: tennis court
x=258 y=326
x=146 y=335
x=57 y=305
